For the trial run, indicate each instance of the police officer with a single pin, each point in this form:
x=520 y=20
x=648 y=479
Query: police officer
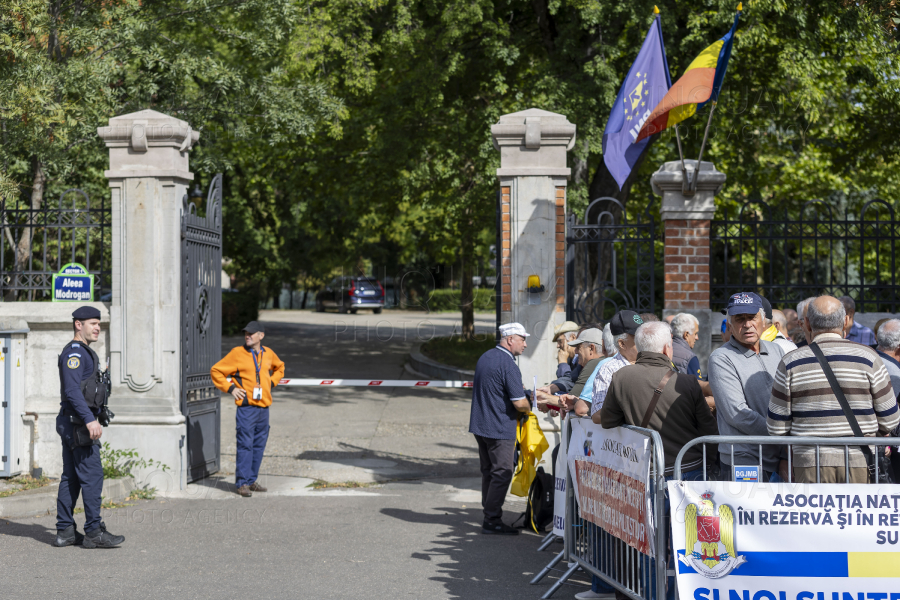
x=83 y=396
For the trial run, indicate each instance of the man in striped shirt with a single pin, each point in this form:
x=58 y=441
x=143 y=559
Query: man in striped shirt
x=803 y=403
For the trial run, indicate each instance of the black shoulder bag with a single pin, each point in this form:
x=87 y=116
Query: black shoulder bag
x=881 y=462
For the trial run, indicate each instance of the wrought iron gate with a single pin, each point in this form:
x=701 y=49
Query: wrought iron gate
x=201 y=329
x=807 y=251
x=610 y=263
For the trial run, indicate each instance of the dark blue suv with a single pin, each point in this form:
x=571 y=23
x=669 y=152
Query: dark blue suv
x=349 y=294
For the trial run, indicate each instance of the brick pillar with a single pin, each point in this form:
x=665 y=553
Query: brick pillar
x=560 y=250
x=687 y=263
x=533 y=146
x=686 y=220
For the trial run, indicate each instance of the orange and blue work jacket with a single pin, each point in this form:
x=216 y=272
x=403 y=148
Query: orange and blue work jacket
x=247 y=370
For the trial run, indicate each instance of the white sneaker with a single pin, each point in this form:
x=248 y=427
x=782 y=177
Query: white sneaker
x=592 y=595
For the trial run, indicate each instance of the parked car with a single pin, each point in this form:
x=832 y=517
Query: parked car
x=349 y=294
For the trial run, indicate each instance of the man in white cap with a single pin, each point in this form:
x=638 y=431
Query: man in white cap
x=497 y=399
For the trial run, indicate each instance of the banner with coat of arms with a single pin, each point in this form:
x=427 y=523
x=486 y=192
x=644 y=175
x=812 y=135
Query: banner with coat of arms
x=781 y=541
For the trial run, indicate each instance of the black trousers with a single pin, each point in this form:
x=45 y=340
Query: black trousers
x=496 y=474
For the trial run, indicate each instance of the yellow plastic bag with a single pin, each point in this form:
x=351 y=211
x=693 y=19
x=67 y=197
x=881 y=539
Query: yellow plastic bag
x=532 y=444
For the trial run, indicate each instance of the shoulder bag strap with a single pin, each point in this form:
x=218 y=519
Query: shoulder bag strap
x=656 y=395
x=839 y=393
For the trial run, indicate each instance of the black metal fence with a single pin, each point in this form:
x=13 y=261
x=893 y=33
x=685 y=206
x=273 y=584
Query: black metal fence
x=36 y=243
x=809 y=252
x=610 y=263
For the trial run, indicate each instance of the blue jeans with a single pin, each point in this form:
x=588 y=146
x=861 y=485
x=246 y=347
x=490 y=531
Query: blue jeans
x=252 y=435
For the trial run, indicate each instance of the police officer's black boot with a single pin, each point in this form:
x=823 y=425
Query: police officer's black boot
x=68 y=537
x=101 y=538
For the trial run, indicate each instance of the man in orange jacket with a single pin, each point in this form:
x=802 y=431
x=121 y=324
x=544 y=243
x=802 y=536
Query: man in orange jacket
x=253 y=371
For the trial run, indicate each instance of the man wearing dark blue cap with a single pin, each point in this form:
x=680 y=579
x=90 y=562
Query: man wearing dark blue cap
x=741 y=374
x=83 y=394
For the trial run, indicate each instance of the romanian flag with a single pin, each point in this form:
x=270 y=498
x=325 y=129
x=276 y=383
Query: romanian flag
x=699 y=85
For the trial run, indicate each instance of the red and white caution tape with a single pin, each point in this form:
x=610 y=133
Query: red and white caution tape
x=432 y=383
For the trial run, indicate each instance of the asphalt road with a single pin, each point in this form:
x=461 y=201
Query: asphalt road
x=416 y=534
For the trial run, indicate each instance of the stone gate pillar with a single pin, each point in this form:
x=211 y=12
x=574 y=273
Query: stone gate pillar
x=686 y=222
x=148 y=175
x=533 y=178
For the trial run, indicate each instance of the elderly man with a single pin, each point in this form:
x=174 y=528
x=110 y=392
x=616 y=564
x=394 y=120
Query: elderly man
x=565 y=354
x=803 y=402
x=741 y=373
x=622 y=326
x=800 y=336
x=563 y=384
x=853 y=330
x=685 y=332
x=650 y=394
x=679 y=413
x=888 y=337
x=497 y=399
x=779 y=321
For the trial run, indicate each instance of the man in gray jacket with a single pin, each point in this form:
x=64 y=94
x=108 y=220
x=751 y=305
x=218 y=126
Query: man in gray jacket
x=741 y=374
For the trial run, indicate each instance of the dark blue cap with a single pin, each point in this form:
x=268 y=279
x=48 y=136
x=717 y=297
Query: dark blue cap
x=744 y=303
x=86 y=312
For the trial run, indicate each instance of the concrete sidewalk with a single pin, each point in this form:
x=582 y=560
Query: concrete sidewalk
x=412 y=531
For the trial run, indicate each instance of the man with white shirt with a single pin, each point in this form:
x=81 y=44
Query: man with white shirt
x=623 y=326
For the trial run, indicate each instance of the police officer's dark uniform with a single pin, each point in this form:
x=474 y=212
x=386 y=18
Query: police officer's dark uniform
x=82 y=397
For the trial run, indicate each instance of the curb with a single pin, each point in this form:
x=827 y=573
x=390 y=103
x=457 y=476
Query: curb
x=42 y=501
x=434 y=369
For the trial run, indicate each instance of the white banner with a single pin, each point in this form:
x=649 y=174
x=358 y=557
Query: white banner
x=559 y=487
x=611 y=481
x=785 y=541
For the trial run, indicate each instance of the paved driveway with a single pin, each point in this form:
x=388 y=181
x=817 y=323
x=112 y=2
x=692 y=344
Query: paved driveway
x=415 y=535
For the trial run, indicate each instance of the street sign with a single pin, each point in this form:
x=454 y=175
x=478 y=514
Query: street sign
x=73 y=283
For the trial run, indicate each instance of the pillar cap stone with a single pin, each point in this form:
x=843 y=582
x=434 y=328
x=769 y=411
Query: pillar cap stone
x=667 y=182
x=533 y=143
x=148 y=143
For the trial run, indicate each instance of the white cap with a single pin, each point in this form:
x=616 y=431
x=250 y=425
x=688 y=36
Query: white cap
x=513 y=329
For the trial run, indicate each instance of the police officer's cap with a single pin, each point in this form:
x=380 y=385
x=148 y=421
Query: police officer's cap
x=86 y=312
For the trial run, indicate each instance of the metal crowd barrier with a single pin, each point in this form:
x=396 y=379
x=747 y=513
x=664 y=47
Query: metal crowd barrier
x=790 y=442
x=597 y=552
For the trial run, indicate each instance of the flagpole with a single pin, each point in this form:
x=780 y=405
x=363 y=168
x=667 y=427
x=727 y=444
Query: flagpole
x=685 y=184
x=703 y=145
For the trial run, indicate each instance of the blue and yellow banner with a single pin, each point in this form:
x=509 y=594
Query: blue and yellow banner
x=779 y=541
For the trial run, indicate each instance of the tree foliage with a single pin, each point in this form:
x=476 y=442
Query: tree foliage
x=360 y=129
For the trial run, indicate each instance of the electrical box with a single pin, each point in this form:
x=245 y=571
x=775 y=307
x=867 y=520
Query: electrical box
x=12 y=407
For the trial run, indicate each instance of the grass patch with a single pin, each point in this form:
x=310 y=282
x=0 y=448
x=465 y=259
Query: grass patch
x=322 y=485
x=456 y=352
x=144 y=493
x=25 y=482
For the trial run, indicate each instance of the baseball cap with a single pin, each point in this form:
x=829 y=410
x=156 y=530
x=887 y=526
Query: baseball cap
x=625 y=321
x=513 y=329
x=564 y=328
x=744 y=303
x=254 y=327
x=591 y=336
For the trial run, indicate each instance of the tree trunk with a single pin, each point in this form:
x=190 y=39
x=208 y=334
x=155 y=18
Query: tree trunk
x=23 y=248
x=303 y=302
x=466 y=291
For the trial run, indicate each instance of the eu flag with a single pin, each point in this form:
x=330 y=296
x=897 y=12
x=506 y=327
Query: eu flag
x=644 y=86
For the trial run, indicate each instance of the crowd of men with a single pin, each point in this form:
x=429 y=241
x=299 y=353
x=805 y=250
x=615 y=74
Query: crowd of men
x=777 y=373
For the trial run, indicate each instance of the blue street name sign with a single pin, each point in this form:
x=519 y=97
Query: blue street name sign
x=73 y=284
